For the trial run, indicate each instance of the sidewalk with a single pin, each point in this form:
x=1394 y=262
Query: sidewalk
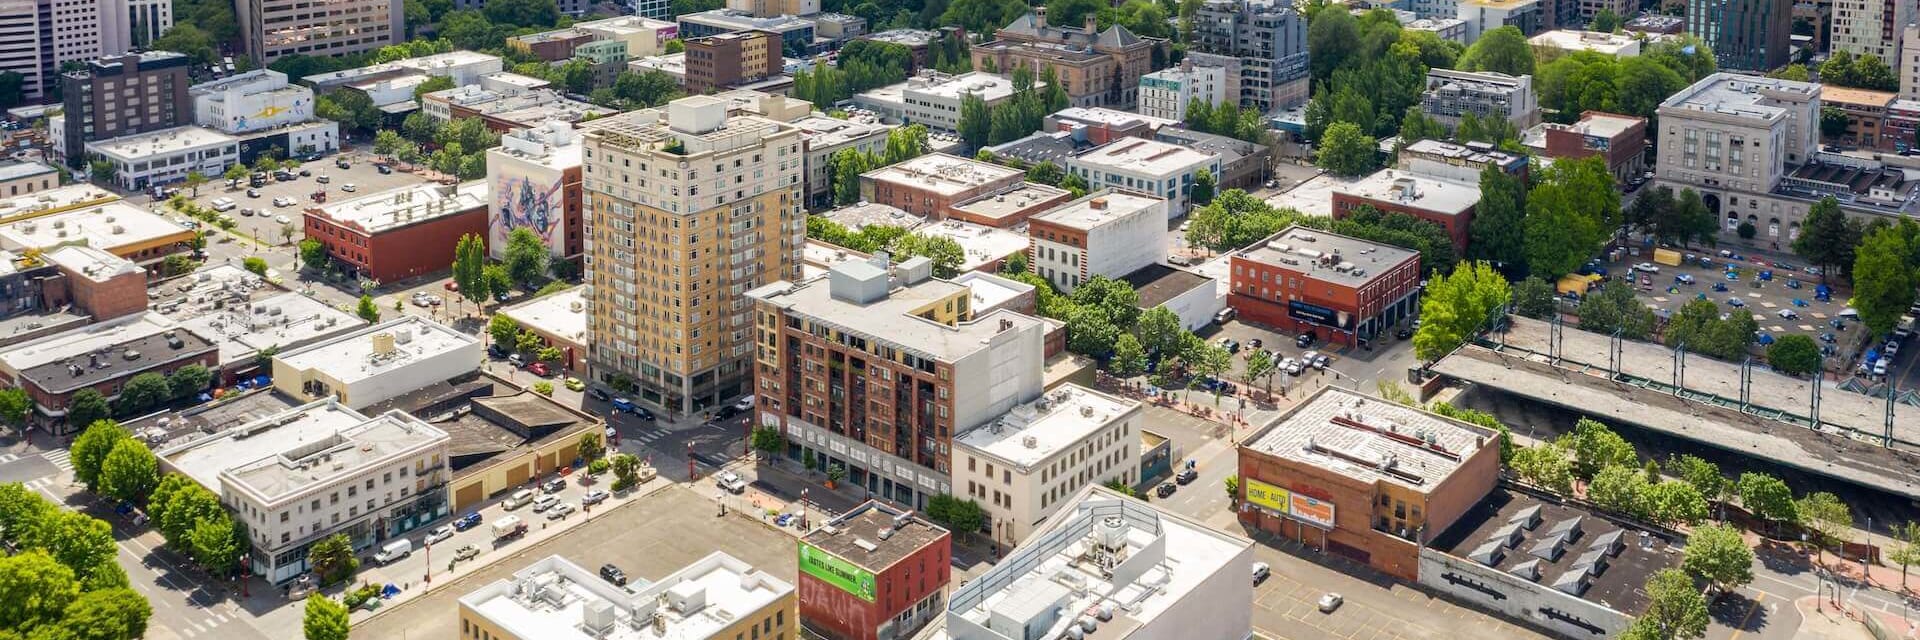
x=1823 y=621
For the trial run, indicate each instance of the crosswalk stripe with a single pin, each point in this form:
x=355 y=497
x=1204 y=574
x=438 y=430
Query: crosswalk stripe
x=187 y=632
x=60 y=459
x=8 y=457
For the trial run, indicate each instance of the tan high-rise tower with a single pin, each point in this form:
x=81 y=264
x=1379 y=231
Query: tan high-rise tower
x=689 y=208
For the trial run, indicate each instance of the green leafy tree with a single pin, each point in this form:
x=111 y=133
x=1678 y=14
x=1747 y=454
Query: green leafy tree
x=1203 y=185
x=1332 y=40
x=1767 y=498
x=591 y=446
x=1457 y=306
x=144 y=392
x=526 y=258
x=15 y=404
x=1719 y=555
x=255 y=264
x=1533 y=298
x=1546 y=465
x=1483 y=419
x=216 y=545
x=1604 y=21
x=1129 y=359
x=503 y=330
x=469 y=259
x=1620 y=488
x=1235 y=219
x=82 y=543
x=1703 y=475
x=1572 y=208
x=1794 y=354
x=1675 y=502
x=626 y=471
x=1796 y=72
x=324 y=619
x=1908 y=554
x=1497 y=231
x=1502 y=50
x=313 y=255
x=129 y=472
x=86 y=407
x=1091 y=332
x=1259 y=365
x=1596 y=447
x=1675 y=610
x=367 y=310
x=1158 y=330
x=1884 y=275
x=1825 y=517
x=90 y=449
x=1115 y=298
x=332 y=559
x=1833 y=122
x=769 y=442
x=1827 y=238
x=1346 y=150
x=37 y=590
x=115 y=613
x=1616 y=309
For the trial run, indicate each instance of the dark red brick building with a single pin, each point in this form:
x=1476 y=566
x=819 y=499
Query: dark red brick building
x=874 y=573
x=1342 y=289
x=1622 y=139
x=102 y=357
x=402 y=233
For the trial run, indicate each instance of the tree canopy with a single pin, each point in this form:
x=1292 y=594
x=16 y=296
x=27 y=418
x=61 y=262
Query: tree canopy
x=1456 y=306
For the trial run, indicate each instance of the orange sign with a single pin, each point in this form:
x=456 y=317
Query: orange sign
x=1312 y=510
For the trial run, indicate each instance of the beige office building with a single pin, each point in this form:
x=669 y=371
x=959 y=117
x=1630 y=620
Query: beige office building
x=274 y=29
x=690 y=208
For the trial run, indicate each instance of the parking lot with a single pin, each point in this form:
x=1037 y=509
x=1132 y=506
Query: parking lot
x=1388 y=360
x=1785 y=304
x=266 y=226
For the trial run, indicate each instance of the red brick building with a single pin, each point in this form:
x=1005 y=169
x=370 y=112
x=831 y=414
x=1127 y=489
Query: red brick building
x=102 y=357
x=1622 y=139
x=724 y=60
x=103 y=285
x=932 y=184
x=1343 y=289
x=1442 y=202
x=875 y=573
x=401 y=233
x=1364 y=478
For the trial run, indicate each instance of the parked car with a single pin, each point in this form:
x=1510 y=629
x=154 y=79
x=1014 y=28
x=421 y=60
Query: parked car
x=1305 y=340
x=519 y=499
x=383 y=169
x=280 y=219
x=1261 y=572
x=600 y=394
x=732 y=483
x=439 y=533
x=1330 y=601
x=1230 y=345
x=1320 y=361
x=1186 y=476
x=539 y=369
x=1788 y=314
x=253 y=193
x=468 y=552
x=1683 y=278
x=553 y=486
x=1403 y=333
x=283 y=201
x=323 y=179
x=1254 y=343
x=545 y=502
x=1736 y=303
x=1647 y=267
x=342 y=163
x=560 y=511
x=1165 y=489
x=393 y=551
x=594 y=497
x=613 y=574
x=466 y=522
x=349 y=187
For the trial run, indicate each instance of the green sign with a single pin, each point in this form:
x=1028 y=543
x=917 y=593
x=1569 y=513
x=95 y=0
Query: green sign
x=836 y=572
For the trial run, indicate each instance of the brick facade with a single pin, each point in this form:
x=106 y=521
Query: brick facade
x=417 y=249
x=1456 y=225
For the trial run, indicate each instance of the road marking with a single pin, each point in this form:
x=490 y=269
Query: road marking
x=1741 y=628
x=60 y=458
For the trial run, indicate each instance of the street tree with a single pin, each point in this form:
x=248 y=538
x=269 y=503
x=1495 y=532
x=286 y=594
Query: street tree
x=332 y=559
x=1767 y=498
x=1260 y=364
x=86 y=407
x=769 y=442
x=1346 y=150
x=469 y=257
x=495 y=281
x=1457 y=306
x=115 y=613
x=90 y=449
x=1674 y=502
x=35 y=590
x=1503 y=50
x=1884 y=274
x=1794 y=354
x=1572 y=208
x=1159 y=331
x=1827 y=238
x=1703 y=475
x=1533 y=298
x=236 y=173
x=1483 y=419
x=143 y=392
x=1675 y=609
x=1909 y=552
x=194 y=180
x=626 y=471
x=1547 y=465
x=1497 y=229
x=129 y=472
x=215 y=543
x=1203 y=186
x=188 y=380
x=1620 y=488
x=1129 y=359
x=591 y=446
x=324 y=619
x=80 y=542
x=1718 y=554
x=1596 y=447
x=312 y=254
x=526 y=258
x=367 y=310
x=1825 y=517
x=14 y=406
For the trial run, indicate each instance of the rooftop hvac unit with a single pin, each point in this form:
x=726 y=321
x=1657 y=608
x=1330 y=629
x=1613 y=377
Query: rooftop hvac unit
x=1030 y=442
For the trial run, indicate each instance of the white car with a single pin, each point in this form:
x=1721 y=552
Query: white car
x=545 y=502
x=283 y=201
x=281 y=219
x=1330 y=601
x=559 y=511
x=439 y=533
x=732 y=483
x=349 y=187
x=1788 y=314
x=1647 y=267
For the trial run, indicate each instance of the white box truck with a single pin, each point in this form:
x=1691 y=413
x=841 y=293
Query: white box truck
x=508 y=527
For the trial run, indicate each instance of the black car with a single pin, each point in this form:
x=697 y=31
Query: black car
x=342 y=163
x=613 y=574
x=497 y=351
x=1165 y=489
x=725 y=412
x=1186 y=476
x=383 y=169
x=1403 y=333
x=1304 y=340
x=600 y=394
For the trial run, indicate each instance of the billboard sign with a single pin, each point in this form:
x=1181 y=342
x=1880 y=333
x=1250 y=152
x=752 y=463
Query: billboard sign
x=1272 y=498
x=1319 y=315
x=1312 y=511
x=836 y=572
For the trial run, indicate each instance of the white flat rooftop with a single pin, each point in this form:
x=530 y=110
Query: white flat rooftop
x=315 y=444
x=988 y=86
x=1166 y=557
x=140 y=146
x=1412 y=190
x=1151 y=157
x=55 y=199
x=562 y=314
x=283 y=320
x=1573 y=40
x=85 y=340
x=377 y=212
x=822 y=131
x=109 y=226
x=1312 y=197
x=891 y=319
x=727 y=589
x=1369 y=439
x=983 y=244
x=990 y=291
x=347 y=358
x=204 y=460
x=673 y=63
x=944 y=174
x=92 y=264
x=1032 y=433
x=1098 y=209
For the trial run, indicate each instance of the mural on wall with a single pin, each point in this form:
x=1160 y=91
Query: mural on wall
x=519 y=202
x=271 y=114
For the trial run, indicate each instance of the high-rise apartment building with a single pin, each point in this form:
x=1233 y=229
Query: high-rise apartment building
x=690 y=208
x=1261 y=44
x=876 y=367
x=1166 y=93
x=37 y=36
x=1908 y=63
x=1747 y=35
x=272 y=29
x=534 y=182
x=1870 y=27
x=123 y=96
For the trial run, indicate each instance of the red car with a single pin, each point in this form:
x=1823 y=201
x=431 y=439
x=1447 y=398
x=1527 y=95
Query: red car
x=452 y=286
x=539 y=369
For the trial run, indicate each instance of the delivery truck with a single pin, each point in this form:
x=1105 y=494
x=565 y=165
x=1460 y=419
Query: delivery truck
x=508 y=527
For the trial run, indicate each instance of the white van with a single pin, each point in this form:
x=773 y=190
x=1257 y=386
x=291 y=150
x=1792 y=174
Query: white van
x=394 y=551
x=224 y=204
x=519 y=499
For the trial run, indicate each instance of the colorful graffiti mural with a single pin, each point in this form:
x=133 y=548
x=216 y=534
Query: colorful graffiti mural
x=521 y=203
